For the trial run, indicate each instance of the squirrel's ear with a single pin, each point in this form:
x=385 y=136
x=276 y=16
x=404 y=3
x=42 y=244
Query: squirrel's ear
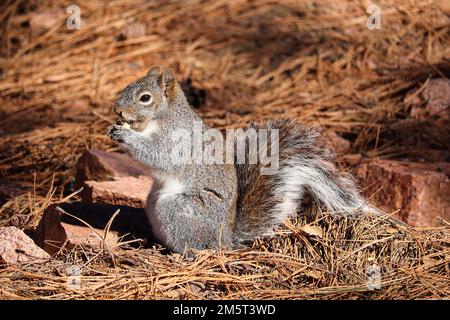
x=168 y=78
x=167 y=82
x=154 y=71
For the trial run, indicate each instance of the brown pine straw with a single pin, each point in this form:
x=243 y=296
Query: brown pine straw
x=324 y=257
x=312 y=60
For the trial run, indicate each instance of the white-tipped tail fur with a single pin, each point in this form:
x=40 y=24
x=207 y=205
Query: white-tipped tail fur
x=337 y=193
x=305 y=167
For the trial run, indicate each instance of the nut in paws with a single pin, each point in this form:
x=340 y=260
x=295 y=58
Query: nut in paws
x=118 y=133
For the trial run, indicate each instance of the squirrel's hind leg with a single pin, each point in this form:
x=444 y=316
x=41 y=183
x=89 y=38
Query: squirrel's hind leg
x=180 y=222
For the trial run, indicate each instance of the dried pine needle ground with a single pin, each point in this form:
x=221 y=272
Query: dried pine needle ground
x=322 y=258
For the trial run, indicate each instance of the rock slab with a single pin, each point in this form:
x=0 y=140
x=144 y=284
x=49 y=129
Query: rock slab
x=421 y=192
x=57 y=230
x=113 y=178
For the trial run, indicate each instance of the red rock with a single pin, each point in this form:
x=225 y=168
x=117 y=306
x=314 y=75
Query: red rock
x=435 y=101
x=57 y=230
x=332 y=140
x=352 y=159
x=44 y=20
x=134 y=30
x=80 y=106
x=420 y=191
x=77 y=109
x=128 y=191
x=113 y=178
x=52 y=233
x=16 y=247
x=107 y=166
x=339 y=144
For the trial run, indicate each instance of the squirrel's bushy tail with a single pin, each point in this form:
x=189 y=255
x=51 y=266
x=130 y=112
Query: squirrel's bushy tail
x=265 y=201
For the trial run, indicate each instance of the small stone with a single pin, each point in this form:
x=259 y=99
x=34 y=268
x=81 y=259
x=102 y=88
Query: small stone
x=40 y=21
x=134 y=30
x=80 y=106
x=333 y=141
x=16 y=248
x=436 y=101
x=352 y=159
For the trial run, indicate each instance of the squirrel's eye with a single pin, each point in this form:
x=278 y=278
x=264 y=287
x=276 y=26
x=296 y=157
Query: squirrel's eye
x=145 y=98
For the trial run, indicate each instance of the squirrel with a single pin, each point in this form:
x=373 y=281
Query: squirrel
x=207 y=206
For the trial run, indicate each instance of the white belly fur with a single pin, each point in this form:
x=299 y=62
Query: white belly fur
x=171 y=186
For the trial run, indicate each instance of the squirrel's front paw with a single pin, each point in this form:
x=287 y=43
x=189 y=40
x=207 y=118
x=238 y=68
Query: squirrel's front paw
x=118 y=133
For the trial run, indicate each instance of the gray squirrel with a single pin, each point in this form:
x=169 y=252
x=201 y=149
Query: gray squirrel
x=211 y=205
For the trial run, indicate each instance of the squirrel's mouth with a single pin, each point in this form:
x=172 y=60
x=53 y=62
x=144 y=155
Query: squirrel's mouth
x=132 y=124
x=122 y=121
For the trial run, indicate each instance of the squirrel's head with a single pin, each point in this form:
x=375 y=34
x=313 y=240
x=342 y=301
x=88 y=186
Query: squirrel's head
x=147 y=98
